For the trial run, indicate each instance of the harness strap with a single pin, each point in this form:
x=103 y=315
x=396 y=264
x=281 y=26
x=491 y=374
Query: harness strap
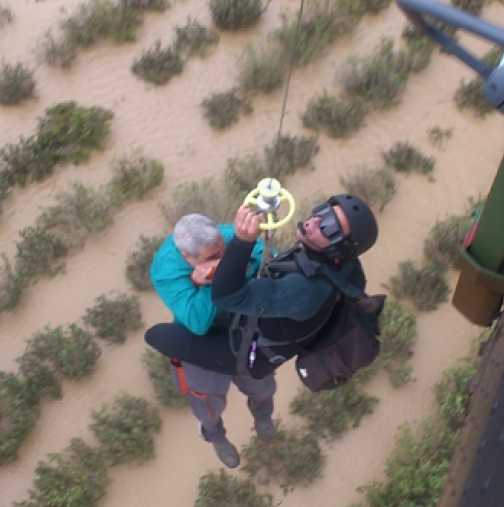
x=181 y=377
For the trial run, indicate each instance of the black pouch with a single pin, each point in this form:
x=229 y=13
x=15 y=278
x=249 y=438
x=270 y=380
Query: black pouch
x=348 y=344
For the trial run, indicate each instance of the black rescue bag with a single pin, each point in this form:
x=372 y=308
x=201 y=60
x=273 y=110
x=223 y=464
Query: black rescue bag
x=348 y=343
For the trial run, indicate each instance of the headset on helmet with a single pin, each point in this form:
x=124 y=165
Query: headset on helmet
x=363 y=226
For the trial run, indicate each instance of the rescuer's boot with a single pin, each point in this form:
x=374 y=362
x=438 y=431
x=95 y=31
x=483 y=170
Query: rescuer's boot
x=265 y=428
x=226 y=452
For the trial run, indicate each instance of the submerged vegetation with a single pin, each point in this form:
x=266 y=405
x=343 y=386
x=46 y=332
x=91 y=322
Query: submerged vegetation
x=235 y=14
x=92 y=21
x=16 y=83
x=139 y=261
x=405 y=158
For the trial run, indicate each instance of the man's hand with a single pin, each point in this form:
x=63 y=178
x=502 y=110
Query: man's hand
x=203 y=272
x=247 y=223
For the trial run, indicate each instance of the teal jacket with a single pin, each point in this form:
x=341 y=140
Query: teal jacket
x=191 y=306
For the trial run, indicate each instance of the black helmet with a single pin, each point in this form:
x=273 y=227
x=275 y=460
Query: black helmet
x=363 y=226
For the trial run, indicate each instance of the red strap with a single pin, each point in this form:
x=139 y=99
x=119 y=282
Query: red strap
x=181 y=377
x=182 y=381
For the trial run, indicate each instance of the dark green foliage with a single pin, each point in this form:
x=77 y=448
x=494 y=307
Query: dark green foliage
x=77 y=214
x=125 y=430
x=38 y=254
x=262 y=69
x=11 y=285
x=417 y=469
x=194 y=39
x=426 y=287
x=438 y=136
x=93 y=21
x=71 y=132
x=444 y=241
x=67 y=133
x=293 y=458
x=71 y=352
x=139 y=261
x=112 y=317
x=242 y=175
x=338 y=117
x=331 y=413
x=199 y=197
x=376 y=187
x=359 y=8
x=452 y=393
x=235 y=14
x=419 y=48
x=17 y=415
x=397 y=337
x=16 y=83
x=471 y=6
x=405 y=158
x=378 y=79
x=158 y=64
x=287 y=154
x=321 y=25
x=76 y=477
x=223 y=109
x=159 y=370
x=224 y=490
x=6 y=16
x=133 y=178
x=40 y=377
x=469 y=94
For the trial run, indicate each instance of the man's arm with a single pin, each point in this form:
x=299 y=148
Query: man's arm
x=293 y=296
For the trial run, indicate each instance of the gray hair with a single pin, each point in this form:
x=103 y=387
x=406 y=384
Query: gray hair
x=194 y=232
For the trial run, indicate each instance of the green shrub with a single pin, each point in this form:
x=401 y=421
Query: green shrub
x=287 y=154
x=57 y=52
x=194 y=39
x=242 y=175
x=359 y=8
x=17 y=416
x=77 y=214
x=376 y=187
x=417 y=469
x=338 y=117
x=11 y=286
x=40 y=377
x=16 y=83
x=72 y=351
x=419 y=48
x=6 y=15
x=262 y=69
x=38 y=254
x=452 y=393
x=471 y=6
x=438 y=136
x=223 y=109
x=158 y=64
x=199 y=197
x=469 y=94
x=445 y=240
x=378 y=79
x=397 y=337
x=320 y=26
x=222 y=489
x=139 y=261
x=125 y=430
x=235 y=14
x=159 y=369
x=76 y=477
x=293 y=458
x=133 y=178
x=404 y=157
x=112 y=317
x=71 y=132
x=330 y=413
x=426 y=287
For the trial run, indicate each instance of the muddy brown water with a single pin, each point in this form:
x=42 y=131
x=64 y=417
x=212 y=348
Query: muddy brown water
x=166 y=123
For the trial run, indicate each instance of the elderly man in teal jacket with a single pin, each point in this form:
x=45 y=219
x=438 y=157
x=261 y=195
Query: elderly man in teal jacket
x=196 y=340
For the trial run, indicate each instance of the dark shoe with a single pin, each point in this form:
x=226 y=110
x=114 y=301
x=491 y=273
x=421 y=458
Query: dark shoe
x=227 y=452
x=265 y=428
